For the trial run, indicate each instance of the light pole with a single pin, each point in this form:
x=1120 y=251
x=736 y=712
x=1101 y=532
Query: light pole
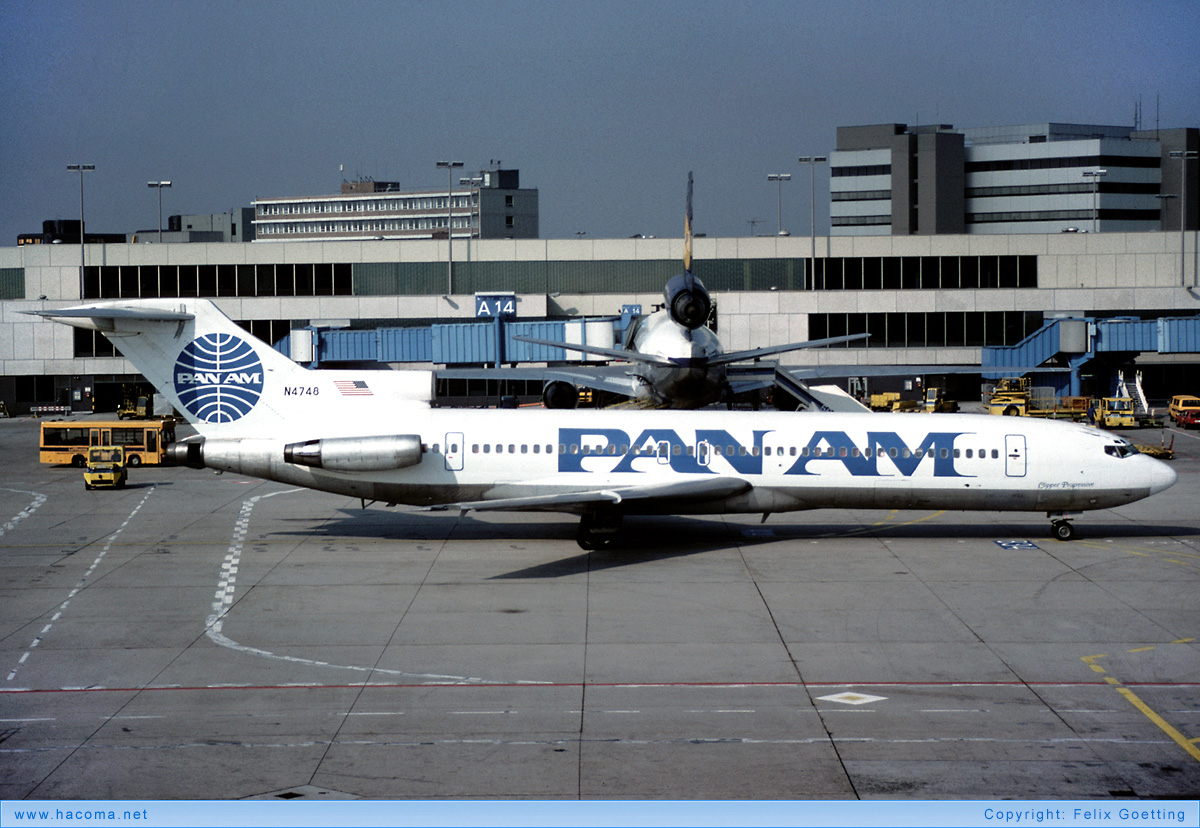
x=1183 y=156
x=81 y=169
x=779 y=178
x=160 y=186
x=1095 y=175
x=812 y=161
x=474 y=182
x=449 y=167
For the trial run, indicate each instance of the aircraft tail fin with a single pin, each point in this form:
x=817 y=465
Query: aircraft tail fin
x=687 y=229
x=212 y=370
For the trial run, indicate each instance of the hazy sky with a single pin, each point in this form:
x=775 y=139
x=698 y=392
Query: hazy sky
x=603 y=106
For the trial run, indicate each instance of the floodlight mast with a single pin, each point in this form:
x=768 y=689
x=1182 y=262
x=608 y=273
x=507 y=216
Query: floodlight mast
x=81 y=169
x=160 y=186
x=812 y=161
x=449 y=167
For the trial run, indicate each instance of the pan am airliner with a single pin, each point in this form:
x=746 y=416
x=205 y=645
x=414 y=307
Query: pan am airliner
x=362 y=434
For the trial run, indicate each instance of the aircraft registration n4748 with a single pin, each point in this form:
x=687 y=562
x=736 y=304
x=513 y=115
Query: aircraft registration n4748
x=365 y=434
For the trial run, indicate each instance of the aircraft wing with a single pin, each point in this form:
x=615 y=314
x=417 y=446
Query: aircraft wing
x=685 y=491
x=611 y=353
x=757 y=353
x=613 y=378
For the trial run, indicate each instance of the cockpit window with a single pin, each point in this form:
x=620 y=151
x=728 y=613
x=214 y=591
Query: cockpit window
x=1121 y=450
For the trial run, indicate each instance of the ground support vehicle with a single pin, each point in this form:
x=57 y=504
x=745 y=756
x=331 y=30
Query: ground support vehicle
x=1014 y=397
x=1181 y=403
x=141 y=409
x=1188 y=419
x=935 y=401
x=105 y=468
x=1116 y=412
x=891 y=401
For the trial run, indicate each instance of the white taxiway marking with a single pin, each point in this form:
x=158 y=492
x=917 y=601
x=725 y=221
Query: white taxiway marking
x=82 y=581
x=38 y=500
x=227 y=587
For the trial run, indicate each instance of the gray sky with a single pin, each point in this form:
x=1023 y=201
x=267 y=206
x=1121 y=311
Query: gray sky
x=603 y=106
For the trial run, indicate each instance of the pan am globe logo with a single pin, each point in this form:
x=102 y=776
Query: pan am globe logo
x=218 y=378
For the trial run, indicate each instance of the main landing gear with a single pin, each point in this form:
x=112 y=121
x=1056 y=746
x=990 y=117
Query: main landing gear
x=1061 y=526
x=598 y=530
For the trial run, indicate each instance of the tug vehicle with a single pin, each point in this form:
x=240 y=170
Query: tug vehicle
x=105 y=468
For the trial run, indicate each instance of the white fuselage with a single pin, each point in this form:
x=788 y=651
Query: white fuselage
x=690 y=381
x=790 y=461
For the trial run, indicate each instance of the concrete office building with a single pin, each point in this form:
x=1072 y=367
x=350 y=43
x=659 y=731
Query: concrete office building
x=234 y=226
x=490 y=206
x=926 y=299
x=893 y=179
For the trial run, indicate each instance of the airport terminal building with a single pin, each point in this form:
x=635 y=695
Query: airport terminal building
x=492 y=205
x=895 y=179
x=925 y=299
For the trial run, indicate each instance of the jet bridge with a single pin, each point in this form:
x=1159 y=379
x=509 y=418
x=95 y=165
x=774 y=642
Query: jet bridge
x=1073 y=343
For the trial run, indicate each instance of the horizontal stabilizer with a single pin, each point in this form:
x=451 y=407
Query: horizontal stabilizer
x=131 y=314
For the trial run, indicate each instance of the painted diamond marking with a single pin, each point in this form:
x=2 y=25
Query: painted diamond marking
x=852 y=698
x=1017 y=544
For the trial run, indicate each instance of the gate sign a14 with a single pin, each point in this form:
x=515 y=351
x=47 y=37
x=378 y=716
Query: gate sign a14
x=496 y=305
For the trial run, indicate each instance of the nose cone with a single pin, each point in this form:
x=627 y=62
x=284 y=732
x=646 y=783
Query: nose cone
x=1162 y=477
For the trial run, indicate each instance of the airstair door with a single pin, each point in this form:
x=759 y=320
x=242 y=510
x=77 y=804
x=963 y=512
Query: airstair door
x=1014 y=455
x=455 y=449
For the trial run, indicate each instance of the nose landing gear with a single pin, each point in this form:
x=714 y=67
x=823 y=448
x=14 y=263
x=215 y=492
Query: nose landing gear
x=1061 y=526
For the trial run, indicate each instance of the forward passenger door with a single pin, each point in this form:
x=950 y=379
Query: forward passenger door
x=1014 y=455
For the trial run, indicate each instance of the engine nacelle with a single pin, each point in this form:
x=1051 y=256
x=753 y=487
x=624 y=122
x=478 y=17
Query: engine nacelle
x=189 y=453
x=354 y=454
x=687 y=300
x=560 y=394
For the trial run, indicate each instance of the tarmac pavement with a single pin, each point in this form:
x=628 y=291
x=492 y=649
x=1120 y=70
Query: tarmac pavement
x=213 y=636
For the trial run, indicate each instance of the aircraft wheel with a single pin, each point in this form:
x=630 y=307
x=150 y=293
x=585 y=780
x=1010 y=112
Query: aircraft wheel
x=1063 y=530
x=598 y=531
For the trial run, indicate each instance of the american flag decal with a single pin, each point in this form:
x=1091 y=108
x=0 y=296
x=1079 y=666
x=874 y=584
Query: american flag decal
x=353 y=388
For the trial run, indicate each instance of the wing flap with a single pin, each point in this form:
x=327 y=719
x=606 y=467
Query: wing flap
x=717 y=488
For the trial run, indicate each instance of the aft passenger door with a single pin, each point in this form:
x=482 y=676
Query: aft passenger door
x=1014 y=455
x=455 y=445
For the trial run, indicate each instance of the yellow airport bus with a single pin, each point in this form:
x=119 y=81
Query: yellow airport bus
x=64 y=441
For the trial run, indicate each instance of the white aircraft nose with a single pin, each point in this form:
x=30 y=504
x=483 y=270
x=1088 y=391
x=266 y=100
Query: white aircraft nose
x=1162 y=477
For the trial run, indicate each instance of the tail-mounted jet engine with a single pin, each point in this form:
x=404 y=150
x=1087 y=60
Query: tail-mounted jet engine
x=560 y=394
x=687 y=300
x=187 y=453
x=351 y=454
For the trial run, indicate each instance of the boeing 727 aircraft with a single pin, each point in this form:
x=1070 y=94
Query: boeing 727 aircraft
x=260 y=414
